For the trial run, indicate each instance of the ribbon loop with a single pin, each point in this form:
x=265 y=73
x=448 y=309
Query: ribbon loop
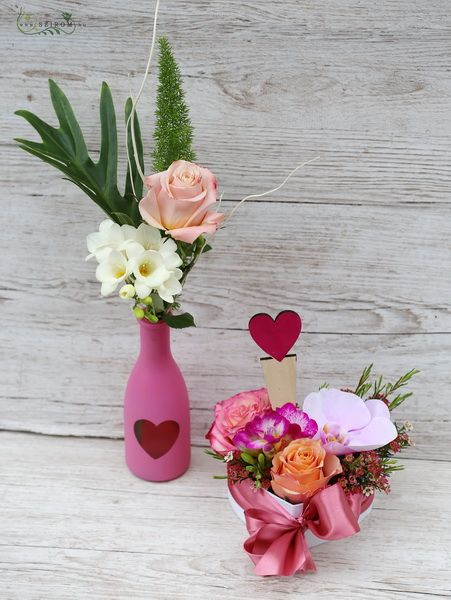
x=277 y=545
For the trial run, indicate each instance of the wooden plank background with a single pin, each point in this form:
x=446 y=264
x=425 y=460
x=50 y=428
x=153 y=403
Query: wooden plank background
x=358 y=243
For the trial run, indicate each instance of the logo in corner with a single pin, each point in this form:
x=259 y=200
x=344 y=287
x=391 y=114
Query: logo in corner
x=32 y=24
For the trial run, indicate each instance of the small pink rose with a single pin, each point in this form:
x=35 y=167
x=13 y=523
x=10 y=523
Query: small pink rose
x=178 y=201
x=233 y=414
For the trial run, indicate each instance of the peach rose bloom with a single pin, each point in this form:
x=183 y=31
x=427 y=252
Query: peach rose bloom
x=178 y=201
x=301 y=469
x=233 y=414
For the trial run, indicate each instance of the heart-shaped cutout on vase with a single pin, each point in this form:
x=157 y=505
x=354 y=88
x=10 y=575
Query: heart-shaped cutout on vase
x=276 y=336
x=156 y=440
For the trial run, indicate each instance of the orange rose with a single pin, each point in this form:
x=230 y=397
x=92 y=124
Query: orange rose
x=301 y=469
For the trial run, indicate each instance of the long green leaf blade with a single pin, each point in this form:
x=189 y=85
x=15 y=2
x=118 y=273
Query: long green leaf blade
x=108 y=149
x=50 y=136
x=68 y=121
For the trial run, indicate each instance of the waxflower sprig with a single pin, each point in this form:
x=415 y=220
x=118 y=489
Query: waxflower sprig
x=339 y=436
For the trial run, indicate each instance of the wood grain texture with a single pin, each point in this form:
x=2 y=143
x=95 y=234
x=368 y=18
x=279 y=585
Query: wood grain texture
x=359 y=270
x=358 y=243
x=356 y=83
x=79 y=524
x=48 y=394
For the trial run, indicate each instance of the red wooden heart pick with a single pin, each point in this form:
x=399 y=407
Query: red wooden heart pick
x=156 y=440
x=276 y=337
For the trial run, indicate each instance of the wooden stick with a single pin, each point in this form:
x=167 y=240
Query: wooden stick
x=280 y=378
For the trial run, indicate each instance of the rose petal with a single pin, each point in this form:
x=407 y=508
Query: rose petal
x=149 y=210
x=332 y=466
x=218 y=441
x=190 y=234
x=187 y=193
x=175 y=212
x=153 y=181
x=209 y=181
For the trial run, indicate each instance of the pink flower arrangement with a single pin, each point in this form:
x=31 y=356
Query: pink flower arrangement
x=298 y=476
x=337 y=437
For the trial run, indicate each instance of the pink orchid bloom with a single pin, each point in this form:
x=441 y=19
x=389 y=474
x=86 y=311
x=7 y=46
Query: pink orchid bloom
x=348 y=424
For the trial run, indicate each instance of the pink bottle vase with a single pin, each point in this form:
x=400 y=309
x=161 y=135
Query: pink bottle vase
x=156 y=410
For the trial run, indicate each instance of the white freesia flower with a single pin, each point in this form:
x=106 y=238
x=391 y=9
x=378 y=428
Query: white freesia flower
x=171 y=287
x=109 y=237
x=150 y=272
x=168 y=251
x=146 y=237
x=111 y=271
x=138 y=256
x=127 y=291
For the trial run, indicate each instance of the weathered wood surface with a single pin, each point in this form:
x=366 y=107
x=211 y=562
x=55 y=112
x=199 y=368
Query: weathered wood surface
x=358 y=243
x=78 y=524
x=363 y=269
x=77 y=394
x=365 y=87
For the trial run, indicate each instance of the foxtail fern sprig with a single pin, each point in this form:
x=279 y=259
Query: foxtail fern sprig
x=173 y=133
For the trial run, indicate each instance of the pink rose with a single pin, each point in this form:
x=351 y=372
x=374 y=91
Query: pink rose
x=178 y=199
x=233 y=414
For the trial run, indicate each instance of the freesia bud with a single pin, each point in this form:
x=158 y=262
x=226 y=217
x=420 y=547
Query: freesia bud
x=138 y=312
x=127 y=291
x=148 y=301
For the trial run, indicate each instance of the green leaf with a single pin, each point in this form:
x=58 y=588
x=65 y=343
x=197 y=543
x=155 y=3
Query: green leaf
x=402 y=381
x=206 y=248
x=108 y=147
x=179 y=321
x=65 y=149
x=214 y=454
x=123 y=219
x=399 y=400
x=362 y=386
x=248 y=458
x=54 y=141
x=68 y=122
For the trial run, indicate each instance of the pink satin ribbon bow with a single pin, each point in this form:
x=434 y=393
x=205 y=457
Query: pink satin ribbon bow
x=277 y=545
